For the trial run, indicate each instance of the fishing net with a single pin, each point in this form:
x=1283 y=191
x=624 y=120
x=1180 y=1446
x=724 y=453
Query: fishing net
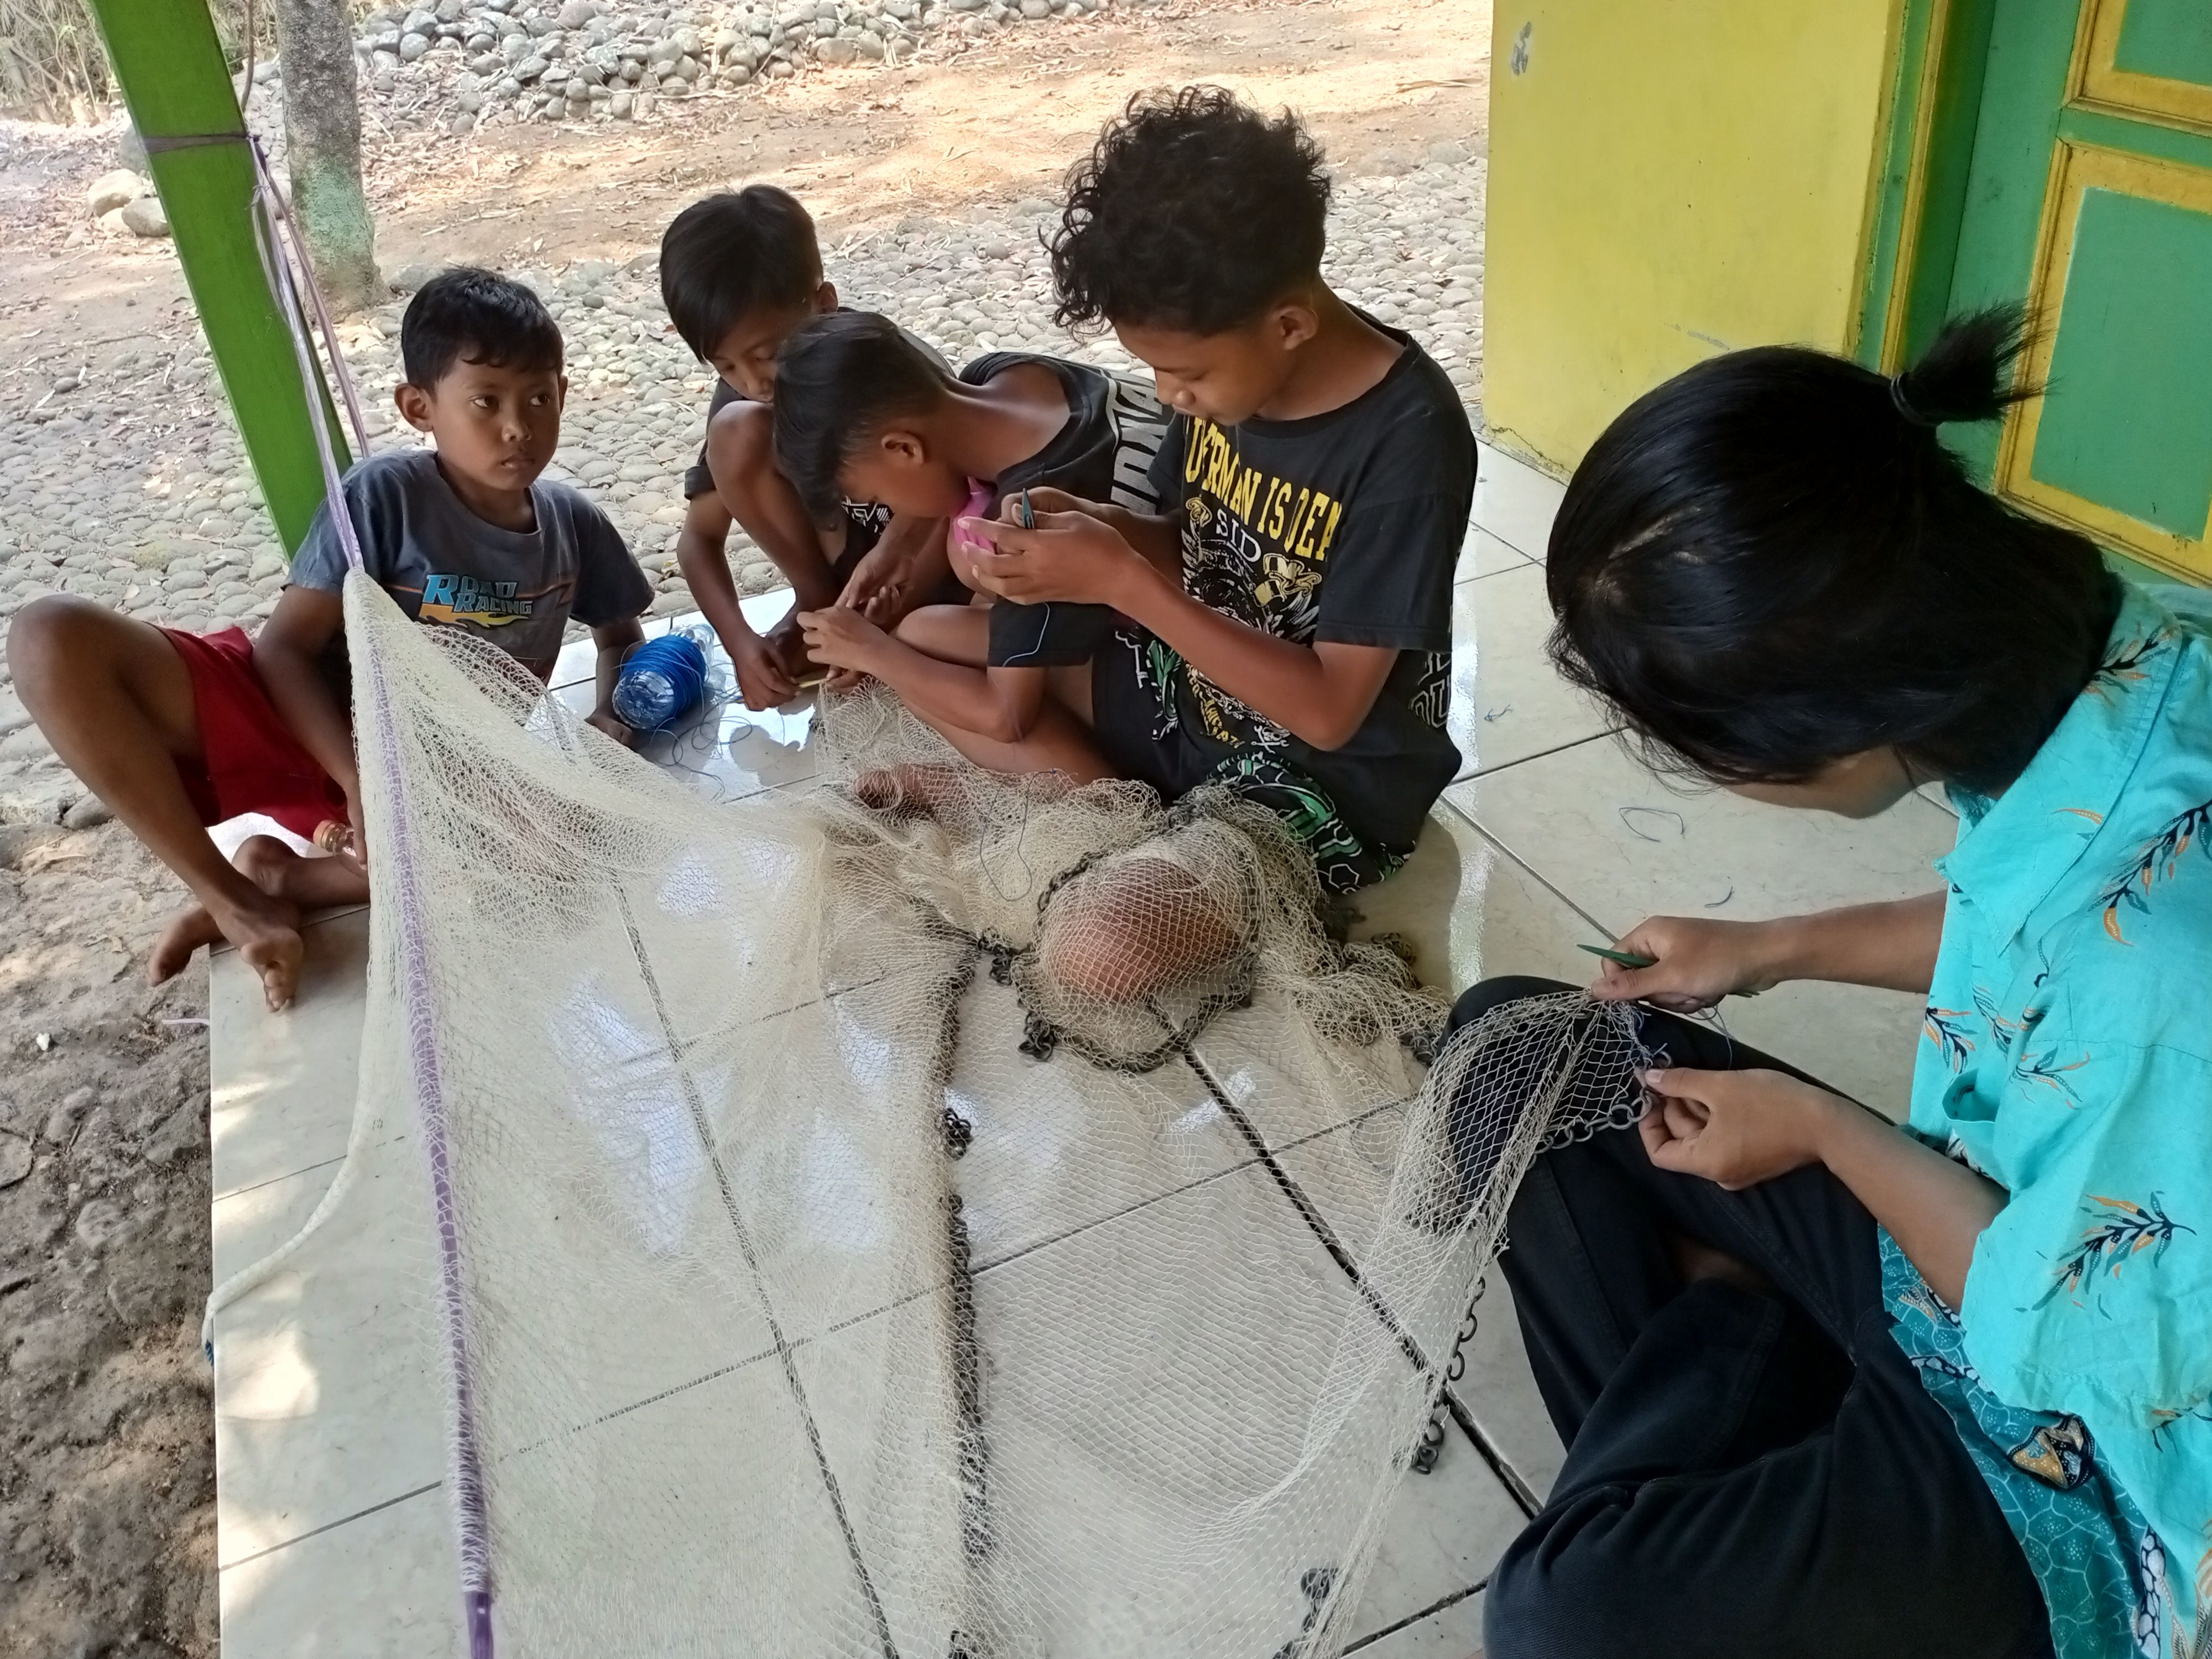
x=925 y=1214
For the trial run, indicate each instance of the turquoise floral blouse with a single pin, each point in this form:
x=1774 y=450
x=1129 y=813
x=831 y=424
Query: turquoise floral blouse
x=2068 y=1056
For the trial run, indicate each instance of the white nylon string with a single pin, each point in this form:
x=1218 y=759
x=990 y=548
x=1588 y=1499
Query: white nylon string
x=279 y=249
x=276 y=239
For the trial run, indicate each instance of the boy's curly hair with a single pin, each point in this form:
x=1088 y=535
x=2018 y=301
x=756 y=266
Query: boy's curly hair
x=1193 y=211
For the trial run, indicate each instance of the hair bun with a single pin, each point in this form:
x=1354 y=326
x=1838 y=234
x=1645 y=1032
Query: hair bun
x=1964 y=373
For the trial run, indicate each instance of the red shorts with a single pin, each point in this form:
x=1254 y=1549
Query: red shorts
x=249 y=761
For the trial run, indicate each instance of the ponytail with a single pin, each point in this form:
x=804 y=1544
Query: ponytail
x=1963 y=375
x=1772 y=562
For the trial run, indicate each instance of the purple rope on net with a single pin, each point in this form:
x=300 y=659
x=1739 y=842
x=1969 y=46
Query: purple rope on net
x=280 y=246
x=470 y=1519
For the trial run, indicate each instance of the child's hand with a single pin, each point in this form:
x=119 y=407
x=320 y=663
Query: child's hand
x=1696 y=962
x=841 y=637
x=1735 y=1128
x=893 y=576
x=1069 y=558
x=1043 y=499
x=607 y=721
x=762 y=681
x=354 y=849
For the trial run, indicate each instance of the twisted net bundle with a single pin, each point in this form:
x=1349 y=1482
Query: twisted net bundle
x=997 y=1220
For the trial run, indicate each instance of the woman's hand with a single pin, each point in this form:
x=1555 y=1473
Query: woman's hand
x=1735 y=1128
x=1695 y=964
x=841 y=638
x=1068 y=558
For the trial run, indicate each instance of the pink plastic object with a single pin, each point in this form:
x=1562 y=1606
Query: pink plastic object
x=978 y=506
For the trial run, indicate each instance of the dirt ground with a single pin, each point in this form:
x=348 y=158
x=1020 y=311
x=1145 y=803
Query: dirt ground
x=107 y=1464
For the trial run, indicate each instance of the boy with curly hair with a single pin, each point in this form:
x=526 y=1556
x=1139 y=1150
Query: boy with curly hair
x=1288 y=615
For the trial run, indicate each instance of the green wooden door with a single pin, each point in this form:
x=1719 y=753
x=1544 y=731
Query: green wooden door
x=2089 y=191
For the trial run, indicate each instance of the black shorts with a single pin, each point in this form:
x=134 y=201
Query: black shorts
x=1047 y=635
x=1135 y=720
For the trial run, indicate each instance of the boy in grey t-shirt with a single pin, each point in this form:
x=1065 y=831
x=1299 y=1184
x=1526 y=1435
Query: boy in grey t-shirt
x=447 y=565
x=176 y=731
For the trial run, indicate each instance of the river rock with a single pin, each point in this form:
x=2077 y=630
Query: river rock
x=112 y=190
x=14 y=1157
x=144 y=216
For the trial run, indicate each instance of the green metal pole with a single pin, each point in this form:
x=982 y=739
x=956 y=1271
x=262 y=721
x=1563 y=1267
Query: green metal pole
x=170 y=66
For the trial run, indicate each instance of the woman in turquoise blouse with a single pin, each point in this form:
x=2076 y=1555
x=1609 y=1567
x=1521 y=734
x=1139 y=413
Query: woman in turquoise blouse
x=1785 y=586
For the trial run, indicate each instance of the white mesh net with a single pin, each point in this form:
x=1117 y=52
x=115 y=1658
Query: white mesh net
x=998 y=1221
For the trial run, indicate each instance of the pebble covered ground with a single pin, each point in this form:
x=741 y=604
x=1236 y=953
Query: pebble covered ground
x=479 y=62
x=147 y=502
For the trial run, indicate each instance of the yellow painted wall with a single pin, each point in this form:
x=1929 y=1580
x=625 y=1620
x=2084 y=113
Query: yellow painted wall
x=1669 y=178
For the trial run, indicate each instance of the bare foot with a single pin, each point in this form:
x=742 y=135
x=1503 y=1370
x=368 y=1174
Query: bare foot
x=914 y=790
x=274 y=952
x=187 y=930
x=271 y=948
x=268 y=940
x=263 y=861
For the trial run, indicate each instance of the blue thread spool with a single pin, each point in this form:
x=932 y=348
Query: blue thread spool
x=663 y=680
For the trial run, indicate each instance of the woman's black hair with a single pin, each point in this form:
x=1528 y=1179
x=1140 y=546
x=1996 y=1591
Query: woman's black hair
x=467 y=314
x=841 y=379
x=1772 y=563
x=735 y=253
x=1193 y=211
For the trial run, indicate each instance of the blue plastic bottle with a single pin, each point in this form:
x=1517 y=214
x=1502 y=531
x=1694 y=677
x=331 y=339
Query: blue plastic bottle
x=663 y=680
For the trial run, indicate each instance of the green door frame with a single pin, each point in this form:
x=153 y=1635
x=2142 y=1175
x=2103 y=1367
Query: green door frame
x=170 y=67
x=1913 y=278
x=1936 y=104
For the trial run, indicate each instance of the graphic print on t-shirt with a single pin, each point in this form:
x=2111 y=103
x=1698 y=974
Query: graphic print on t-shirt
x=1255 y=547
x=459 y=597
x=1104 y=452
x=1140 y=425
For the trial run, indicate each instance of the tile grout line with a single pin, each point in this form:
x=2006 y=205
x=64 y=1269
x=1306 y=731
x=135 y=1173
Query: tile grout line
x=1541 y=753
x=327 y=1526
x=223 y=947
x=1516 y=1488
x=1243 y=1166
x=1429 y=1612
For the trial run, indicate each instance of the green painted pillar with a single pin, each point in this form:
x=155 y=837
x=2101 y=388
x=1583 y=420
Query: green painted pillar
x=170 y=67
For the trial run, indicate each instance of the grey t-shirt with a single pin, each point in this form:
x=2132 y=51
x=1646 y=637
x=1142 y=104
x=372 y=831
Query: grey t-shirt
x=444 y=565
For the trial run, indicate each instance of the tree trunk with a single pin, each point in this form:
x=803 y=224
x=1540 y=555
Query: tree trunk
x=322 y=139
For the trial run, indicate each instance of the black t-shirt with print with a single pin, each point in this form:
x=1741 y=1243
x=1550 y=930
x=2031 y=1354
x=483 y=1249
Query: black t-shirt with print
x=1103 y=453
x=1345 y=526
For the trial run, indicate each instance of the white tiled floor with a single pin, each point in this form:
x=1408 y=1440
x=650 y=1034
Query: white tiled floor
x=333 y=1530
